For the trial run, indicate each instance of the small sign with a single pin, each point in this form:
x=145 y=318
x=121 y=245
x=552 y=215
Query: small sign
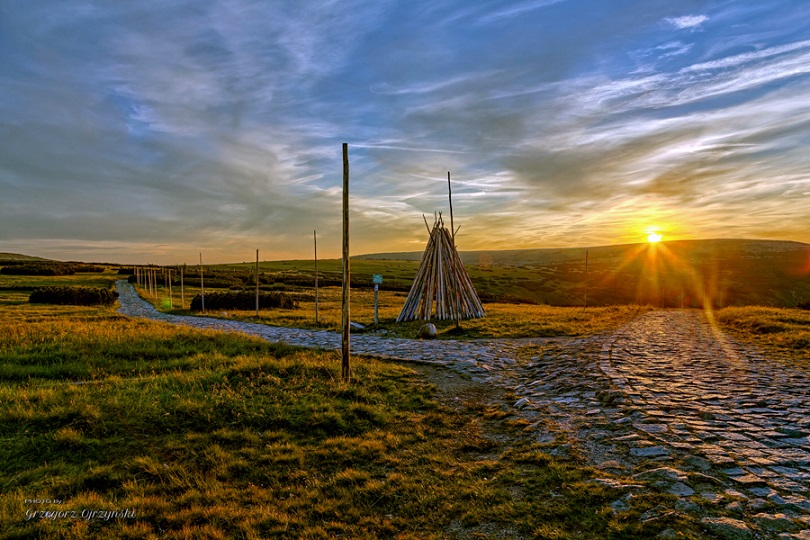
x=376 y=279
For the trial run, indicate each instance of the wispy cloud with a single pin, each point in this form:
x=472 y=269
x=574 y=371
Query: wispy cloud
x=687 y=21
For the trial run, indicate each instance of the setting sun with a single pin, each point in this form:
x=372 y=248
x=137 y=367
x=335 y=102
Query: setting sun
x=654 y=237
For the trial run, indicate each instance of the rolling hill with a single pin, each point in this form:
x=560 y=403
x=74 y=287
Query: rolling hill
x=19 y=257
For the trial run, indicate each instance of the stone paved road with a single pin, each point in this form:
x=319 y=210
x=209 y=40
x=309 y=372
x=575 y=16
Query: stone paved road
x=667 y=400
x=703 y=394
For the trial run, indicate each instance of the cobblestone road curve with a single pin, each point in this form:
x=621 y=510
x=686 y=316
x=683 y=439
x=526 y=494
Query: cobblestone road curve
x=667 y=399
x=707 y=395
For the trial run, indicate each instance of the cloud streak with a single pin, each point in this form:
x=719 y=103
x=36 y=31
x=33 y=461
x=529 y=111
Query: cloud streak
x=217 y=127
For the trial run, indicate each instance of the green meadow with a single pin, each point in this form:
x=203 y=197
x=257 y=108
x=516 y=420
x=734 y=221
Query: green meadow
x=140 y=429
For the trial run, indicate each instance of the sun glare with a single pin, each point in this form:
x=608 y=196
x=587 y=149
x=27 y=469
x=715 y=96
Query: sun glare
x=654 y=237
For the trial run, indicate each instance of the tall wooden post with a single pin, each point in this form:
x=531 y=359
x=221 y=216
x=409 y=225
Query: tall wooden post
x=376 y=298
x=345 y=369
x=450 y=197
x=169 y=280
x=585 y=305
x=257 y=282
x=202 y=287
x=182 y=288
x=315 y=242
x=453 y=238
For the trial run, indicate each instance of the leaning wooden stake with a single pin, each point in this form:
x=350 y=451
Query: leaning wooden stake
x=315 y=242
x=439 y=279
x=345 y=369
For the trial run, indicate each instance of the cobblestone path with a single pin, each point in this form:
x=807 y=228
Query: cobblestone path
x=478 y=358
x=667 y=401
x=703 y=395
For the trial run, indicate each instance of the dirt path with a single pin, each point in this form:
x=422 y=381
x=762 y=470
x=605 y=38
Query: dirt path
x=667 y=401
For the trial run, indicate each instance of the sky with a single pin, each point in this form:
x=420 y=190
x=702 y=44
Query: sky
x=156 y=130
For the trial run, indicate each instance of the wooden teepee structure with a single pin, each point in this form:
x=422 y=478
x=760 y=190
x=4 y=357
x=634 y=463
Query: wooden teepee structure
x=442 y=288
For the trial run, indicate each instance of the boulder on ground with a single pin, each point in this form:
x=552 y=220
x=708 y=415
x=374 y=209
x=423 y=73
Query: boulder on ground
x=427 y=331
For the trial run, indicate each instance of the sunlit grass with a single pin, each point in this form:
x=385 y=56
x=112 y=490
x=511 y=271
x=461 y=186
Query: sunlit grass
x=217 y=435
x=785 y=330
x=502 y=320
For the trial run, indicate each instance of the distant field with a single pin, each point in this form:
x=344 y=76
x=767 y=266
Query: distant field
x=671 y=274
x=718 y=273
x=696 y=273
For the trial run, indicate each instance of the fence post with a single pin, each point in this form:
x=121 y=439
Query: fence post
x=345 y=369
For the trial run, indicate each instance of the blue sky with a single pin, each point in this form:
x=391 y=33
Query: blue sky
x=153 y=130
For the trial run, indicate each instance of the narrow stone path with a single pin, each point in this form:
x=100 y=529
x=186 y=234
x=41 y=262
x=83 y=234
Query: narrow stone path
x=667 y=400
x=478 y=358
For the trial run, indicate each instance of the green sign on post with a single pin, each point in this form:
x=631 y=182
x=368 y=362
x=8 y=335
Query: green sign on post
x=376 y=279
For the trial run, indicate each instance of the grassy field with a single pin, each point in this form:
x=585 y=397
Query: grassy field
x=730 y=272
x=192 y=434
x=785 y=332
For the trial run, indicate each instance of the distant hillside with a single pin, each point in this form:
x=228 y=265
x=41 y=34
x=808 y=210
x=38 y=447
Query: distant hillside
x=19 y=257
x=689 y=273
x=522 y=257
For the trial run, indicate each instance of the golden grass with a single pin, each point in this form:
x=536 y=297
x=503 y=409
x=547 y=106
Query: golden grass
x=502 y=320
x=782 y=330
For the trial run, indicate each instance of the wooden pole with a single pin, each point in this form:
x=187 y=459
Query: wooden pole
x=453 y=240
x=315 y=242
x=450 y=197
x=182 y=288
x=345 y=369
x=257 y=282
x=169 y=276
x=376 y=297
x=202 y=286
x=585 y=306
